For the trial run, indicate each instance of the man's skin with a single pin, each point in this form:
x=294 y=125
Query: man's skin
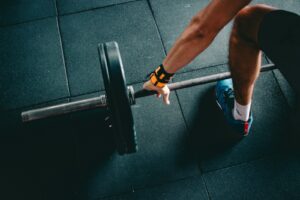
x=244 y=53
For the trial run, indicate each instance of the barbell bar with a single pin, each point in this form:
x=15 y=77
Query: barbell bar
x=118 y=98
x=98 y=102
x=198 y=81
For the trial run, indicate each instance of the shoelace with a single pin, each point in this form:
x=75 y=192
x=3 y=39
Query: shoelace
x=228 y=93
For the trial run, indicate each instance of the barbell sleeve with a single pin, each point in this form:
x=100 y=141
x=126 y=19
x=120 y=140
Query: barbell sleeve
x=197 y=81
x=64 y=108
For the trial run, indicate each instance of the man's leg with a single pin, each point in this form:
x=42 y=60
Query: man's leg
x=260 y=27
x=245 y=56
x=234 y=95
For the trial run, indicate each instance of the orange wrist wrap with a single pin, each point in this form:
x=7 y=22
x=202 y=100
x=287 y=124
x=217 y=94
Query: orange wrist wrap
x=160 y=77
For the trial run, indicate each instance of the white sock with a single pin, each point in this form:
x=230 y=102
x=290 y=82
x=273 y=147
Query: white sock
x=241 y=112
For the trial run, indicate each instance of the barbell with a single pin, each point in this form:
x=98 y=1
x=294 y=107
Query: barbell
x=118 y=98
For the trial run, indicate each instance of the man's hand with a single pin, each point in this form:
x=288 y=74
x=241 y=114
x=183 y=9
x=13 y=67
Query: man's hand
x=164 y=92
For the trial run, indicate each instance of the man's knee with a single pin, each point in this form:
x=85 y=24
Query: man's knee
x=247 y=22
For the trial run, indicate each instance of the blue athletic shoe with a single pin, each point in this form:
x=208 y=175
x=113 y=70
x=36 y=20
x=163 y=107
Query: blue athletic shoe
x=225 y=100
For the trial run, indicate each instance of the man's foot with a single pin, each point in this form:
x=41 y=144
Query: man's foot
x=225 y=100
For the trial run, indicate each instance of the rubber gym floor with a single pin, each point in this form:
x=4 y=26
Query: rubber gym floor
x=48 y=55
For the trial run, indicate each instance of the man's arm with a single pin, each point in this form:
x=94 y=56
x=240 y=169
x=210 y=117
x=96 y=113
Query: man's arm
x=198 y=35
x=201 y=31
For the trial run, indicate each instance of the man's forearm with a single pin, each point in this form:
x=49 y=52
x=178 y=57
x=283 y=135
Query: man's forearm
x=190 y=44
x=201 y=31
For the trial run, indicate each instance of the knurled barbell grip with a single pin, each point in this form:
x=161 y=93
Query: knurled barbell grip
x=197 y=81
x=64 y=108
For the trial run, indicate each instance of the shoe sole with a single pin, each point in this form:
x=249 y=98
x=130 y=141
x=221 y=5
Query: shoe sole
x=217 y=100
x=219 y=105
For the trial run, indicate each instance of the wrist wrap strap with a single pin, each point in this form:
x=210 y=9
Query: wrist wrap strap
x=160 y=77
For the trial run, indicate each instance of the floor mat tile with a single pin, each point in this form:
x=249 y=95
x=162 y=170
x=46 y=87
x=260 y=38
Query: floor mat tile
x=71 y=6
x=192 y=189
x=270 y=178
x=32 y=61
x=12 y=11
x=161 y=157
x=214 y=142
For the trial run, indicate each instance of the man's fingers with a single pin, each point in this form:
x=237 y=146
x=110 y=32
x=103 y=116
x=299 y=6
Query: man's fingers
x=160 y=91
x=166 y=98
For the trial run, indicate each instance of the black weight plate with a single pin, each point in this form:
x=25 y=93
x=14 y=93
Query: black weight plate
x=117 y=98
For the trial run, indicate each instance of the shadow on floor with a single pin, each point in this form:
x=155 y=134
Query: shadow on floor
x=94 y=148
x=49 y=159
x=209 y=133
x=292 y=139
